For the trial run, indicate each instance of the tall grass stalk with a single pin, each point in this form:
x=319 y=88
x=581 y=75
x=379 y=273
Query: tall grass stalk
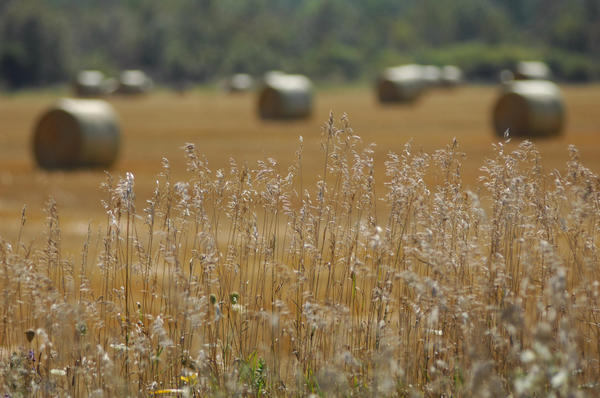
x=259 y=280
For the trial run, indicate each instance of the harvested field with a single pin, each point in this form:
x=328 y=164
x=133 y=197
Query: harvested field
x=224 y=126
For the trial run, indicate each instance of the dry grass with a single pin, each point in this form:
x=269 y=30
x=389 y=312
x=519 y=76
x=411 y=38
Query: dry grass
x=159 y=125
x=344 y=270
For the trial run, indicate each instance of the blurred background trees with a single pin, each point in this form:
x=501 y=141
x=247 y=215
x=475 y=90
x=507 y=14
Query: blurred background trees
x=45 y=41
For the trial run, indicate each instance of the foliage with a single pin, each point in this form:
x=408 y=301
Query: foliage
x=34 y=45
x=46 y=41
x=253 y=374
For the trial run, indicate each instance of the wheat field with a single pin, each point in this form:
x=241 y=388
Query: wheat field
x=228 y=256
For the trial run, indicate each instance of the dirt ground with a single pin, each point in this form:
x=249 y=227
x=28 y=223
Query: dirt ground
x=227 y=126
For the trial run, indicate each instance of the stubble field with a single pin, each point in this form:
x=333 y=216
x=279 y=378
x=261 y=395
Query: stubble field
x=227 y=126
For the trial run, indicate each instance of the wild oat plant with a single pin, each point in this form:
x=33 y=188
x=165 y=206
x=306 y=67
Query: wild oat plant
x=255 y=281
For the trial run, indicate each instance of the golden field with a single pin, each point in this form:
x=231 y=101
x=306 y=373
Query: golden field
x=343 y=270
x=227 y=126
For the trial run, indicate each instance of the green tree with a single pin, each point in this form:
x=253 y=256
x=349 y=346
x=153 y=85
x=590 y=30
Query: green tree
x=34 y=45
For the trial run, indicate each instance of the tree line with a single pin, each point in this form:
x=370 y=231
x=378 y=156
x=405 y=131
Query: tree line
x=46 y=41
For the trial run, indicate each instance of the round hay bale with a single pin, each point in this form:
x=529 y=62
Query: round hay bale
x=272 y=74
x=432 y=75
x=134 y=82
x=451 y=76
x=401 y=84
x=285 y=97
x=89 y=83
x=76 y=133
x=532 y=70
x=240 y=82
x=529 y=108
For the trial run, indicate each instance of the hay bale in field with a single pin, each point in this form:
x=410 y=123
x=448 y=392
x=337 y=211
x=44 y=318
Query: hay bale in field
x=90 y=83
x=529 y=108
x=285 y=96
x=532 y=70
x=134 y=82
x=272 y=74
x=401 y=84
x=451 y=76
x=239 y=82
x=432 y=75
x=76 y=133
